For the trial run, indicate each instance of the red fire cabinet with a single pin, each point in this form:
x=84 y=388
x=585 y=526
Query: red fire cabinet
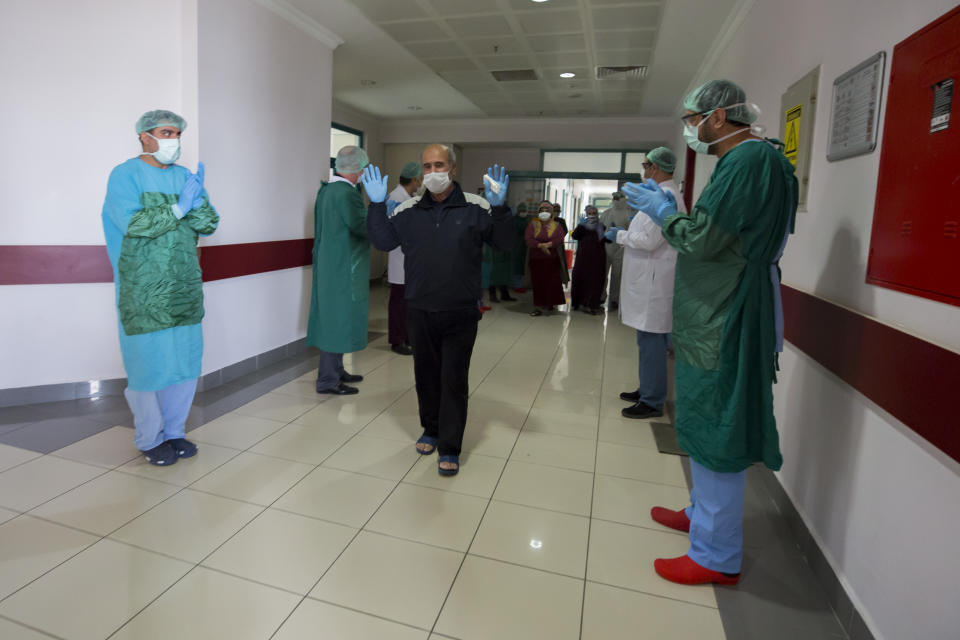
x=914 y=246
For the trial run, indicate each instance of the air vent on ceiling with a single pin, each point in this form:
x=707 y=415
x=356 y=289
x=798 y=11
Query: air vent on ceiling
x=622 y=73
x=516 y=75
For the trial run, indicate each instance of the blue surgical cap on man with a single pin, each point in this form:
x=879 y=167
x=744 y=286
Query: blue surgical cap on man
x=663 y=158
x=158 y=118
x=351 y=159
x=720 y=94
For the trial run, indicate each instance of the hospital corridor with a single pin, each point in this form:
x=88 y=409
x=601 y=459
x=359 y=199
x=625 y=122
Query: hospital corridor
x=479 y=320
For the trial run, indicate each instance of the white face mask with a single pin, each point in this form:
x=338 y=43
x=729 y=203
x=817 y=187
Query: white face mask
x=692 y=133
x=544 y=215
x=168 y=151
x=437 y=182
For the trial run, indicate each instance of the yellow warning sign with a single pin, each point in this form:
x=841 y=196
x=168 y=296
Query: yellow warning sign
x=791 y=142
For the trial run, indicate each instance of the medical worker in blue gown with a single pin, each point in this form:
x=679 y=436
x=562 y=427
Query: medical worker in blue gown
x=153 y=214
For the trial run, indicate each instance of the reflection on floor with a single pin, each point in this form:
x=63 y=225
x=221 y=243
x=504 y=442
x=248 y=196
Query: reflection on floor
x=313 y=517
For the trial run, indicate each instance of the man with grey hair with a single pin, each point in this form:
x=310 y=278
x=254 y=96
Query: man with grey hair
x=340 y=300
x=442 y=234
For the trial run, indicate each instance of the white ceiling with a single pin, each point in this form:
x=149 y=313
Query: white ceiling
x=434 y=58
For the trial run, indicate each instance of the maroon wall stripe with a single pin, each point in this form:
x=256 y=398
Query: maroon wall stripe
x=71 y=264
x=49 y=264
x=914 y=380
x=233 y=260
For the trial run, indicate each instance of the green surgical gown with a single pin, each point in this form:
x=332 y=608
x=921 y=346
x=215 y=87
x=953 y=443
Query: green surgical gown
x=340 y=302
x=723 y=308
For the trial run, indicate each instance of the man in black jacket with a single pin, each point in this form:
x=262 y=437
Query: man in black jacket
x=442 y=235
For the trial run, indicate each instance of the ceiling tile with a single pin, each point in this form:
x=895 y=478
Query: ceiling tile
x=504 y=62
x=451 y=64
x=486 y=46
x=572 y=42
x=415 y=31
x=608 y=40
x=571 y=85
x=480 y=26
x=533 y=7
x=557 y=60
x=631 y=17
x=466 y=78
x=523 y=85
x=381 y=10
x=551 y=21
x=441 y=49
x=464 y=7
x=627 y=57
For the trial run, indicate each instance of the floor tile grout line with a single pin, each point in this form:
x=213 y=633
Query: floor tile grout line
x=653 y=594
x=31 y=628
x=512 y=449
x=593 y=488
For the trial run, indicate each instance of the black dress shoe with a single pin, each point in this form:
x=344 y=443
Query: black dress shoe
x=349 y=377
x=340 y=390
x=402 y=349
x=630 y=396
x=641 y=411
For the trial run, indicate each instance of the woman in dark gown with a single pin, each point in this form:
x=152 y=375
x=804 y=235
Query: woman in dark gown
x=543 y=235
x=590 y=266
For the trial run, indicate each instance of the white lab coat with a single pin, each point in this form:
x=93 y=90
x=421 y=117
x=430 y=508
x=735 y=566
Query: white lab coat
x=395 y=274
x=649 y=265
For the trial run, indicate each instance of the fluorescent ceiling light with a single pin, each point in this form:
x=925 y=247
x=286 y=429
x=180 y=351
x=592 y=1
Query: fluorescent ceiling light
x=568 y=75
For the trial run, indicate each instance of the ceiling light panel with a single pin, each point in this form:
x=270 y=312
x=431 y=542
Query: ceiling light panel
x=414 y=31
x=479 y=26
x=631 y=17
x=382 y=10
x=545 y=44
x=537 y=22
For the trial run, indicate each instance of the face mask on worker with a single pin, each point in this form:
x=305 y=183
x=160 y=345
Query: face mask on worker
x=437 y=182
x=168 y=149
x=544 y=215
x=691 y=133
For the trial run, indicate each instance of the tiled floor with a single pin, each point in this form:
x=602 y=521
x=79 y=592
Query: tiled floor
x=313 y=517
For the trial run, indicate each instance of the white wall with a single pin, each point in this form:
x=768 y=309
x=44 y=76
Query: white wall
x=70 y=102
x=882 y=501
x=256 y=93
x=265 y=111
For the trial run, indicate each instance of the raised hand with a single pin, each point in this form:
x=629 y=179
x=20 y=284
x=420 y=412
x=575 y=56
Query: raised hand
x=373 y=184
x=651 y=199
x=495 y=185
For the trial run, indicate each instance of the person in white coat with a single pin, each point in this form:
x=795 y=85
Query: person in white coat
x=411 y=177
x=646 y=291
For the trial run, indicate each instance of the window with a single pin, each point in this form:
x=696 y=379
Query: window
x=582 y=161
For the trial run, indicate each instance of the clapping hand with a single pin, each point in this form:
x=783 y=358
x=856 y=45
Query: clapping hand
x=651 y=199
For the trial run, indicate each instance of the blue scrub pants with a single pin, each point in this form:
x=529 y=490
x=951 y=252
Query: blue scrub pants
x=653 y=368
x=161 y=415
x=716 y=518
x=330 y=370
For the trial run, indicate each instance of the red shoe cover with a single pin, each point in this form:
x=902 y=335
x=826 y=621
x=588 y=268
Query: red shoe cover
x=674 y=519
x=683 y=570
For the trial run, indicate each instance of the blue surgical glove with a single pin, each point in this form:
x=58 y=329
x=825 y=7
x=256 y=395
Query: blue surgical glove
x=373 y=184
x=391 y=205
x=191 y=195
x=582 y=220
x=611 y=233
x=496 y=197
x=651 y=199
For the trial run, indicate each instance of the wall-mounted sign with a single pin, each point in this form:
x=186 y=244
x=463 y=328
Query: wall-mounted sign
x=942 y=104
x=791 y=138
x=855 y=109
